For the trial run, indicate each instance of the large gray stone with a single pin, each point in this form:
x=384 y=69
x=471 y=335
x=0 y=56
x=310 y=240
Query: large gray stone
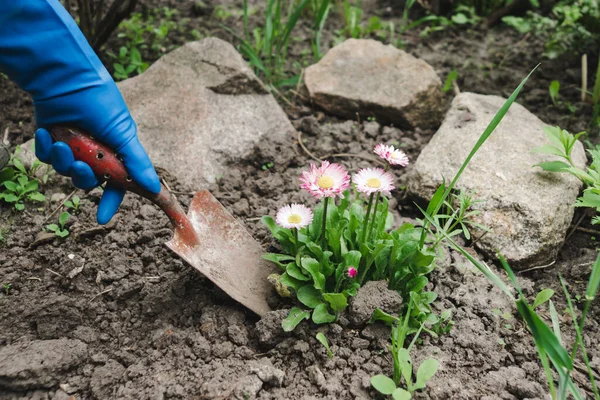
x=39 y=363
x=201 y=107
x=367 y=77
x=528 y=210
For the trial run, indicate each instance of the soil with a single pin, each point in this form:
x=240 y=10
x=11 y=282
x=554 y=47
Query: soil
x=110 y=313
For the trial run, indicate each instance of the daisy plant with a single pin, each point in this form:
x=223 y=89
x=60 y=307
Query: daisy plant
x=329 y=252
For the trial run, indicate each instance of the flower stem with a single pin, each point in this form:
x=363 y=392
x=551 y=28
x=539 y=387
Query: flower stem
x=324 y=226
x=295 y=230
x=373 y=217
x=366 y=221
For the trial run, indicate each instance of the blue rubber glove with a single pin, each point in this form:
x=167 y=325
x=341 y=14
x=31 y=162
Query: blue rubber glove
x=44 y=52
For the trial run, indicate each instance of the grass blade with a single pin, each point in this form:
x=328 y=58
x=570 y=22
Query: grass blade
x=579 y=338
x=291 y=23
x=554 y=318
x=483 y=268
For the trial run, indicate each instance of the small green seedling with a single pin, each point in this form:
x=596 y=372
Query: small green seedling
x=266 y=166
x=73 y=204
x=450 y=79
x=387 y=386
x=553 y=90
x=20 y=189
x=60 y=230
x=323 y=340
x=7 y=287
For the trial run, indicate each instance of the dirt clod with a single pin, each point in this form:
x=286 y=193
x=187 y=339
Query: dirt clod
x=371 y=296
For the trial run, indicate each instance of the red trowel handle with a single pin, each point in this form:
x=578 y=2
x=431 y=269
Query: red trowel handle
x=108 y=168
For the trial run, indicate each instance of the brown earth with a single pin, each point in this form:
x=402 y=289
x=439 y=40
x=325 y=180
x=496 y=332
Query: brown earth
x=131 y=320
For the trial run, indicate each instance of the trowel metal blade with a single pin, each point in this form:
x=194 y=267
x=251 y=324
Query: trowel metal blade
x=227 y=254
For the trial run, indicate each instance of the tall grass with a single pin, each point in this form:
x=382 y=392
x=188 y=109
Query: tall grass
x=266 y=46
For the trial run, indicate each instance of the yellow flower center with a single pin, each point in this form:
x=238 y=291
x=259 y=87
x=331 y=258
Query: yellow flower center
x=374 y=183
x=294 y=219
x=325 y=182
x=394 y=155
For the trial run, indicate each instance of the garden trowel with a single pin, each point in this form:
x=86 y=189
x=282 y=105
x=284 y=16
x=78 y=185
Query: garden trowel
x=208 y=238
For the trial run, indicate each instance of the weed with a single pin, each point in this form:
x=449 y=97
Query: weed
x=570 y=29
x=267 y=166
x=60 y=230
x=266 y=48
x=73 y=204
x=19 y=183
x=323 y=340
x=450 y=79
x=402 y=362
x=7 y=287
x=141 y=32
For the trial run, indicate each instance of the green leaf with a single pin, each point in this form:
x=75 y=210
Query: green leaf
x=323 y=340
x=63 y=233
x=63 y=218
x=295 y=272
x=417 y=284
x=309 y=296
x=10 y=186
x=425 y=372
x=52 y=227
x=401 y=394
x=288 y=281
x=452 y=76
x=6 y=174
x=383 y=384
x=553 y=89
x=30 y=186
x=19 y=165
x=543 y=297
x=405 y=364
x=594 y=281
x=20 y=206
x=36 y=197
x=312 y=266
x=553 y=166
x=295 y=316
x=321 y=315
x=10 y=198
x=384 y=317
x=278 y=259
x=460 y=19
x=337 y=301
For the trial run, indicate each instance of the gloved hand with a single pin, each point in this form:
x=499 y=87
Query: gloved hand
x=44 y=52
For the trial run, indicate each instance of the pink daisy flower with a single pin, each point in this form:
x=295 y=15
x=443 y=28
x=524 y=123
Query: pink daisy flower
x=373 y=180
x=294 y=216
x=328 y=180
x=351 y=272
x=391 y=155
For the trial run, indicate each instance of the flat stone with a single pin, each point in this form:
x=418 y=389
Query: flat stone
x=201 y=107
x=367 y=77
x=39 y=364
x=527 y=209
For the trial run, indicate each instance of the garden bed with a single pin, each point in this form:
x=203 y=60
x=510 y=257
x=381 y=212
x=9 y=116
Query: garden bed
x=152 y=327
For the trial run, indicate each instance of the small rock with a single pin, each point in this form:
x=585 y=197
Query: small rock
x=57 y=198
x=39 y=364
x=223 y=350
x=248 y=387
x=373 y=295
x=315 y=376
x=268 y=329
x=371 y=129
x=269 y=374
x=367 y=77
x=238 y=335
x=104 y=379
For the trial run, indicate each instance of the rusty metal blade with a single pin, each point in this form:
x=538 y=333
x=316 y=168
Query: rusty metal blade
x=227 y=254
